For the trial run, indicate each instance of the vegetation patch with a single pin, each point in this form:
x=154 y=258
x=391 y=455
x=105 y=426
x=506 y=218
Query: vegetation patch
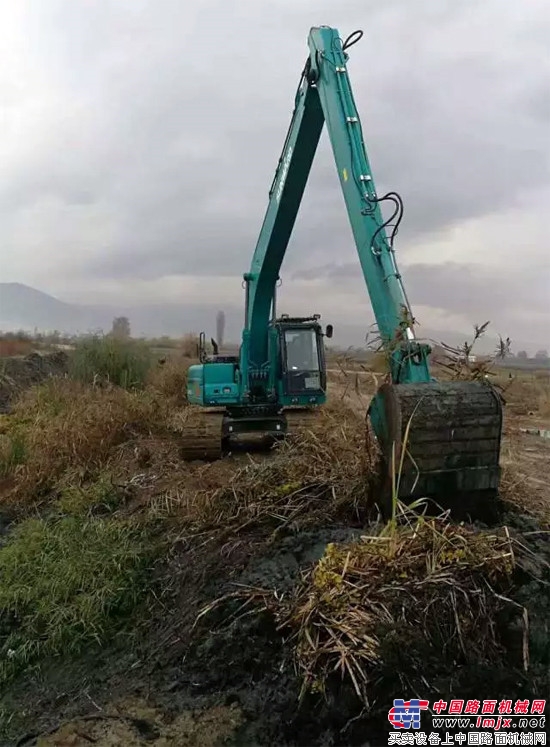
x=68 y=426
x=18 y=374
x=68 y=582
x=12 y=451
x=125 y=363
x=99 y=496
x=426 y=594
x=169 y=379
x=323 y=474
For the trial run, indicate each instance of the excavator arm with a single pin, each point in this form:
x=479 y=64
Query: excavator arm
x=324 y=96
x=285 y=196
x=439 y=440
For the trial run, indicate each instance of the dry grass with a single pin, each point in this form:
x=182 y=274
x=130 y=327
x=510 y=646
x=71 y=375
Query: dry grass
x=169 y=379
x=12 y=347
x=369 y=601
x=189 y=345
x=65 y=425
x=325 y=472
x=543 y=398
x=529 y=393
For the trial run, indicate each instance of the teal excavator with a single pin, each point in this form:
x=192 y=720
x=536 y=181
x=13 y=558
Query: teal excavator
x=443 y=437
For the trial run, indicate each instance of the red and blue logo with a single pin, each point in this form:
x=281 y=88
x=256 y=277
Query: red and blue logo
x=405 y=714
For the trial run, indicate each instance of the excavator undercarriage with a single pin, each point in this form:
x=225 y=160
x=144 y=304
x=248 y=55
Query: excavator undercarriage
x=218 y=433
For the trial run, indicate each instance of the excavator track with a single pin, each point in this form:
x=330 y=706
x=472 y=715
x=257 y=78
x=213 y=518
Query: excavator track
x=448 y=437
x=201 y=437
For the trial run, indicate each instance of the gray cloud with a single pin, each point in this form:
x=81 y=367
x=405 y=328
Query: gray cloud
x=462 y=288
x=455 y=286
x=512 y=300
x=167 y=118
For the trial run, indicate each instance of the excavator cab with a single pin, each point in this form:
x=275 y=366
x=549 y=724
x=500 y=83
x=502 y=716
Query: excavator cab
x=302 y=377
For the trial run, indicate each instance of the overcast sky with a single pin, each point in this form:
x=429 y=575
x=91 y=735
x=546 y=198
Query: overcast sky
x=139 y=139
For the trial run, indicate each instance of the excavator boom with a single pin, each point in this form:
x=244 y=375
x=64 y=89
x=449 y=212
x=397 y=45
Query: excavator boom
x=324 y=95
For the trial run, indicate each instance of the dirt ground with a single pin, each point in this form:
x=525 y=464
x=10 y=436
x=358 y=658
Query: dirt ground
x=228 y=678
x=17 y=373
x=132 y=722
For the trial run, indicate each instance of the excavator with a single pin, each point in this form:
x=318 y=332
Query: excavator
x=442 y=439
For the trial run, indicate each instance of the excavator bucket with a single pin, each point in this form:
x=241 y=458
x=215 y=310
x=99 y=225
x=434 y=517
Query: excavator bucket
x=441 y=442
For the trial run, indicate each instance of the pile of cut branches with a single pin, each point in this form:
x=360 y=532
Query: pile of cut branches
x=399 y=600
x=422 y=597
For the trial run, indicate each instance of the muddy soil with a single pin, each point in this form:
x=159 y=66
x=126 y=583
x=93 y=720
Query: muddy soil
x=132 y=722
x=230 y=678
x=244 y=658
x=18 y=374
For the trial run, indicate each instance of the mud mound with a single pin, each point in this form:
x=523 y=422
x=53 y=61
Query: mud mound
x=18 y=374
x=335 y=612
x=367 y=606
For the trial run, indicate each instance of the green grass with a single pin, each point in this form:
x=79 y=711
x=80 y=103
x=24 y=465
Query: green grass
x=67 y=583
x=99 y=496
x=13 y=452
x=125 y=363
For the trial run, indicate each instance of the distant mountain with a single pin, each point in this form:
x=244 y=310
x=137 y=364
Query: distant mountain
x=22 y=307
